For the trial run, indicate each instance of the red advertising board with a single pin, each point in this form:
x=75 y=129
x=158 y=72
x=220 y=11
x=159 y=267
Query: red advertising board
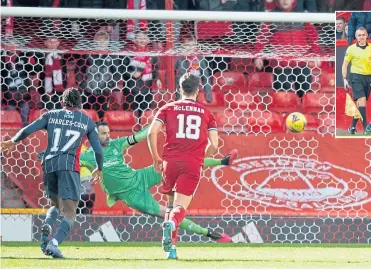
x=278 y=174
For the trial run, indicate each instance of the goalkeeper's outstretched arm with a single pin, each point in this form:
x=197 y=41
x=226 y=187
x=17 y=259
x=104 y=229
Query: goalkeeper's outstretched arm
x=135 y=138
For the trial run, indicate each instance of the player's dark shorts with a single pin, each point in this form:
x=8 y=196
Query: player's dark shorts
x=180 y=177
x=360 y=85
x=63 y=184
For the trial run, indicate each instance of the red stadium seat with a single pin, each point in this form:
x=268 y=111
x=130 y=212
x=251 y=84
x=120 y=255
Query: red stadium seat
x=116 y=100
x=218 y=100
x=244 y=101
x=229 y=81
x=327 y=123
x=230 y=120
x=35 y=114
x=258 y=81
x=284 y=102
x=160 y=98
x=11 y=120
x=327 y=67
x=265 y=121
x=92 y=114
x=327 y=83
x=312 y=122
x=241 y=65
x=318 y=102
x=120 y=120
x=147 y=117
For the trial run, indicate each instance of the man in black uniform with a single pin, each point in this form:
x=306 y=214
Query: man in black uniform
x=66 y=129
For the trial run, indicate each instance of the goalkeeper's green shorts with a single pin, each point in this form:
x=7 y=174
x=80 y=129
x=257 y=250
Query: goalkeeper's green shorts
x=140 y=197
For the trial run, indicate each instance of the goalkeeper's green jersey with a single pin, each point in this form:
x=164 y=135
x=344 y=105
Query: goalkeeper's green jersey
x=117 y=176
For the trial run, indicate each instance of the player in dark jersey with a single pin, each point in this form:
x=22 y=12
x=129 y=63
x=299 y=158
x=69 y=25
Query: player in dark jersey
x=189 y=126
x=66 y=130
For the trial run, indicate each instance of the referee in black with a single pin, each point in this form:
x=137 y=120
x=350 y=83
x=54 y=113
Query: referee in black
x=359 y=54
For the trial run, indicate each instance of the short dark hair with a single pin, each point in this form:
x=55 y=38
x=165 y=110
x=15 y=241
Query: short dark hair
x=101 y=124
x=189 y=83
x=72 y=98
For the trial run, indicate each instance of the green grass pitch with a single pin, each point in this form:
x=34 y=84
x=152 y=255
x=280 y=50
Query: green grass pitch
x=344 y=133
x=353 y=135
x=193 y=255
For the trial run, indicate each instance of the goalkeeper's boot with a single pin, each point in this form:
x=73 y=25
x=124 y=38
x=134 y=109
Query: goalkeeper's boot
x=46 y=230
x=232 y=156
x=167 y=228
x=172 y=254
x=218 y=237
x=352 y=130
x=53 y=251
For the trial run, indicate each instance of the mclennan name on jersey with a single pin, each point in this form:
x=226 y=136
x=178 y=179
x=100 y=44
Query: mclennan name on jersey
x=188 y=108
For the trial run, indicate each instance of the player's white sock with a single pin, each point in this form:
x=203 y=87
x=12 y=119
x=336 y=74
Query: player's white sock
x=55 y=242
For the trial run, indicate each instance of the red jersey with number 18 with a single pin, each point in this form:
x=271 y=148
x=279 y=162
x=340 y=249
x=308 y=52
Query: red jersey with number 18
x=187 y=124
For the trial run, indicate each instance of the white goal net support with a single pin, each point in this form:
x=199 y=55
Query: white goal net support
x=255 y=69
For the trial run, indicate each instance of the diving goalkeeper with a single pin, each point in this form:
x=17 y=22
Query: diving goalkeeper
x=121 y=182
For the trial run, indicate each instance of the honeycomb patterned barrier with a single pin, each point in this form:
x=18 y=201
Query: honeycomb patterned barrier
x=125 y=79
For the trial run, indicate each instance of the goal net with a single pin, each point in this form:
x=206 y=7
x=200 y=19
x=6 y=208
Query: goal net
x=305 y=188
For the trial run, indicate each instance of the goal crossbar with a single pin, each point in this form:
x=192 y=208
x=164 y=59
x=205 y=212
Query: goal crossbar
x=118 y=14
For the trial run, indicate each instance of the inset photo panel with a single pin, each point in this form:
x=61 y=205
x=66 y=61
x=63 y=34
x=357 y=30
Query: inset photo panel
x=353 y=74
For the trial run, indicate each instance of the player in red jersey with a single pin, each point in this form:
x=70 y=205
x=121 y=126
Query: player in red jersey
x=189 y=127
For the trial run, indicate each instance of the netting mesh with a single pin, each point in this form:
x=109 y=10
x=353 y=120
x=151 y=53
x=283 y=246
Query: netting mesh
x=285 y=188
x=224 y=37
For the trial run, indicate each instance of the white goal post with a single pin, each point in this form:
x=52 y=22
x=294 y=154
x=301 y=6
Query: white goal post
x=168 y=15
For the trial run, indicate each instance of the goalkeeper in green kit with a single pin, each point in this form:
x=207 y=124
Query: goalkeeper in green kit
x=121 y=182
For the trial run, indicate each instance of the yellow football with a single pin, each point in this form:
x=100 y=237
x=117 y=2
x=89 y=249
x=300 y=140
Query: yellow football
x=296 y=122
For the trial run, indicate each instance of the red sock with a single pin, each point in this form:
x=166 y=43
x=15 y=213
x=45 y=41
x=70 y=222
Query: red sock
x=174 y=236
x=167 y=213
x=177 y=215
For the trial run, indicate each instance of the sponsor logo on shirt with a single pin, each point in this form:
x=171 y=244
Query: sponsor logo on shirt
x=111 y=163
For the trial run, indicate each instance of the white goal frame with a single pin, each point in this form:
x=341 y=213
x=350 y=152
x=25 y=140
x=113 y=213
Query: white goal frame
x=83 y=13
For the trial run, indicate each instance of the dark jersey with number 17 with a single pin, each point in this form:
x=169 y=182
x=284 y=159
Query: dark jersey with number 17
x=66 y=130
x=187 y=124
